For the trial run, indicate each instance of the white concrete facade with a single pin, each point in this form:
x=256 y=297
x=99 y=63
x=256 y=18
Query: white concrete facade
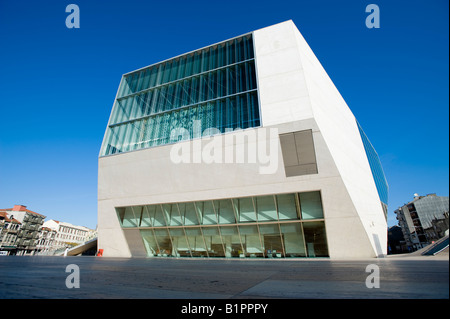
x=295 y=94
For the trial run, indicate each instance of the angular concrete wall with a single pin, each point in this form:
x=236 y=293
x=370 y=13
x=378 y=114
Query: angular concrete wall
x=284 y=57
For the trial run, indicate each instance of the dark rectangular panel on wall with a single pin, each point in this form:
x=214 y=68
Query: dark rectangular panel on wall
x=299 y=156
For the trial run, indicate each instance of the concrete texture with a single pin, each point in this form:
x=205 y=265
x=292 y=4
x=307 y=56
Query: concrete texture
x=411 y=277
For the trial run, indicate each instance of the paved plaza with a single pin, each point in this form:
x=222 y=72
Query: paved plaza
x=412 y=277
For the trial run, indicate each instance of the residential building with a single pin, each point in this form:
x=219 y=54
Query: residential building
x=57 y=236
x=46 y=241
x=243 y=148
x=27 y=230
x=396 y=241
x=423 y=220
x=9 y=227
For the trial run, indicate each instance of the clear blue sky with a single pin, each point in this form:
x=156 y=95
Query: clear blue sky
x=58 y=85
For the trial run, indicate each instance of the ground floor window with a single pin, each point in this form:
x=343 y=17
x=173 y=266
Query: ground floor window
x=270 y=226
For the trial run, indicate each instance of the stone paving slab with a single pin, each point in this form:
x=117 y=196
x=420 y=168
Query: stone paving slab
x=24 y=277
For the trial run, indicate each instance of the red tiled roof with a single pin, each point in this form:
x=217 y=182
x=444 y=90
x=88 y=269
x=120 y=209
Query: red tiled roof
x=15 y=221
x=21 y=208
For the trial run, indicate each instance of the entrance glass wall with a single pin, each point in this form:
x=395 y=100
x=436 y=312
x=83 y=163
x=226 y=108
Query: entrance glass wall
x=273 y=226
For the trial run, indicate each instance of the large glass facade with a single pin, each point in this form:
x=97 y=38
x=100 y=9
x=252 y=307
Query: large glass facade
x=272 y=226
x=215 y=86
x=377 y=169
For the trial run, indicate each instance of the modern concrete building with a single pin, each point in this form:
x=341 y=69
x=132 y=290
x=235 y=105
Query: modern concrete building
x=424 y=220
x=243 y=148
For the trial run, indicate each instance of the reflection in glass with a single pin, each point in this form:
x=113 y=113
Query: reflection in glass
x=148 y=99
x=213 y=242
x=311 y=205
x=287 y=206
x=272 y=240
x=206 y=211
x=246 y=211
x=225 y=211
x=149 y=242
x=159 y=219
x=164 y=243
x=196 y=242
x=129 y=219
x=180 y=244
x=191 y=229
x=231 y=241
x=294 y=244
x=147 y=214
x=251 y=241
x=315 y=238
x=265 y=206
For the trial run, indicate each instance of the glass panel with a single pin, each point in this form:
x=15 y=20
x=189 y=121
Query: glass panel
x=138 y=212
x=174 y=71
x=188 y=213
x=196 y=63
x=140 y=78
x=179 y=242
x=287 y=206
x=205 y=60
x=213 y=58
x=375 y=167
x=246 y=210
x=315 y=238
x=148 y=138
x=196 y=242
x=149 y=242
x=251 y=241
x=240 y=54
x=213 y=241
x=172 y=214
x=294 y=243
x=145 y=83
x=166 y=73
x=231 y=57
x=129 y=219
x=265 y=206
x=231 y=241
x=152 y=76
x=206 y=211
x=159 y=73
x=311 y=205
x=231 y=80
x=188 y=67
x=164 y=242
x=159 y=219
x=272 y=240
x=181 y=67
x=221 y=83
x=225 y=211
x=248 y=47
x=148 y=215
x=120 y=214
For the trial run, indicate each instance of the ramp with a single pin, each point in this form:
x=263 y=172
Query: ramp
x=78 y=250
x=437 y=247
